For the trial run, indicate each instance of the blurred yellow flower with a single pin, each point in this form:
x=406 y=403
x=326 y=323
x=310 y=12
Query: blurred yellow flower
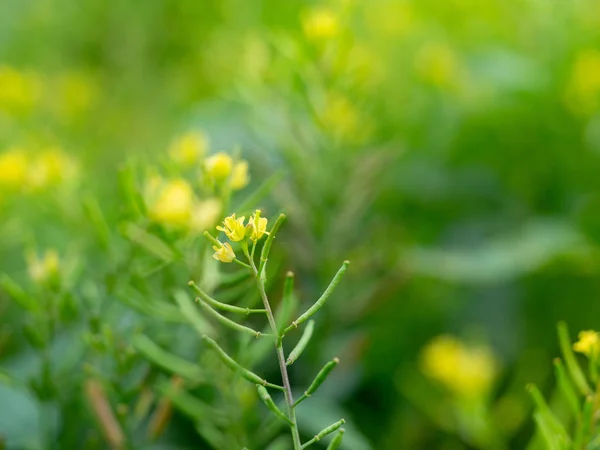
x=343 y=120
x=234 y=228
x=188 y=148
x=466 y=371
x=320 y=23
x=50 y=167
x=438 y=64
x=239 y=175
x=224 y=253
x=19 y=91
x=205 y=214
x=583 y=89
x=14 y=166
x=588 y=343
x=257 y=226
x=77 y=92
x=218 y=166
x=43 y=269
x=173 y=204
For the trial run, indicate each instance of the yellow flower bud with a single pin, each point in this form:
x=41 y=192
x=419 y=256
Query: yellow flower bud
x=239 y=175
x=224 y=253
x=174 y=204
x=588 y=343
x=234 y=228
x=188 y=148
x=257 y=226
x=218 y=167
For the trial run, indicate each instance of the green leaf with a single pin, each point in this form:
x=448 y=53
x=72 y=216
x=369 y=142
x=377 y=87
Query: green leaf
x=572 y=364
x=149 y=242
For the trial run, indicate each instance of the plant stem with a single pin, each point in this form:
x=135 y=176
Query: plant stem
x=289 y=399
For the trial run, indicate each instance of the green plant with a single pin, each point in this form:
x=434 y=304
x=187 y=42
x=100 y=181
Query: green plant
x=248 y=237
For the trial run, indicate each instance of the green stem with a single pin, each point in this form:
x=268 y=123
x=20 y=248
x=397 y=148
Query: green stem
x=289 y=398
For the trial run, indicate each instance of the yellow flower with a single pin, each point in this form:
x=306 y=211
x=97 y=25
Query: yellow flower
x=320 y=23
x=234 y=228
x=188 y=148
x=50 y=167
x=466 y=371
x=239 y=175
x=588 y=343
x=42 y=270
x=19 y=91
x=206 y=214
x=13 y=168
x=224 y=253
x=218 y=166
x=258 y=226
x=173 y=204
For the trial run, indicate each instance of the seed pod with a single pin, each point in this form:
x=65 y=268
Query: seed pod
x=324 y=432
x=321 y=301
x=264 y=254
x=223 y=306
x=337 y=440
x=319 y=379
x=228 y=322
x=302 y=343
x=268 y=401
x=233 y=365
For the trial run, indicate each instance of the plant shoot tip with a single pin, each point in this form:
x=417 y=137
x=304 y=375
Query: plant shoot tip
x=336 y=360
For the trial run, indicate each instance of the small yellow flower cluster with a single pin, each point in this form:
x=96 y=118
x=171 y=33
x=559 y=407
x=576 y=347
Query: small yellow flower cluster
x=45 y=268
x=466 y=371
x=588 y=343
x=22 y=170
x=188 y=148
x=220 y=168
x=236 y=231
x=320 y=23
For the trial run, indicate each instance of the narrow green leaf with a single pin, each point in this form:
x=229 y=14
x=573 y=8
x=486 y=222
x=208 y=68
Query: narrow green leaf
x=171 y=363
x=233 y=365
x=319 y=379
x=149 y=242
x=324 y=432
x=566 y=386
x=127 y=183
x=264 y=254
x=321 y=301
x=570 y=360
x=160 y=309
x=336 y=442
x=302 y=343
x=228 y=322
x=190 y=312
x=19 y=296
x=260 y=192
x=549 y=422
x=94 y=213
x=190 y=405
x=585 y=425
x=269 y=403
x=223 y=306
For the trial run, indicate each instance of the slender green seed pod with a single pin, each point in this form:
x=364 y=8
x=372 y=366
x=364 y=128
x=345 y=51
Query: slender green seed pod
x=264 y=254
x=545 y=418
x=321 y=301
x=570 y=360
x=213 y=240
x=269 y=403
x=228 y=322
x=223 y=306
x=302 y=343
x=566 y=386
x=324 y=432
x=288 y=303
x=584 y=430
x=233 y=365
x=337 y=440
x=319 y=379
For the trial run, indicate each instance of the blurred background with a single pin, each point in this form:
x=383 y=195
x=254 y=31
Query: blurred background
x=449 y=149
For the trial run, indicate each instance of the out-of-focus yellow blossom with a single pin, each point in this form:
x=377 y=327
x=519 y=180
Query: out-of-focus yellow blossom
x=13 y=168
x=19 y=91
x=583 y=90
x=467 y=371
x=257 y=226
x=52 y=166
x=341 y=118
x=234 y=228
x=43 y=269
x=218 y=166
x=188 y=148
x=173 y=204
x=320 y=23
x=224 y=253
x=205 y=214
x=438 y=64
x=239 y=175
x=588 y=343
